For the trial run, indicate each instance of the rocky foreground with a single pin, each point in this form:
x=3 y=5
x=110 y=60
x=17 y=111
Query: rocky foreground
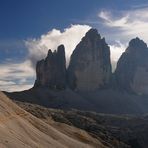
x=114 y=131
x=20 y=129
x=33 y=125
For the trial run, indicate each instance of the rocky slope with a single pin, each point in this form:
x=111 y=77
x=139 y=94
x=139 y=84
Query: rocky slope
x=104 y=101
x=132 y=68
x=90 y=66
x=113 y=130
x=20 y=129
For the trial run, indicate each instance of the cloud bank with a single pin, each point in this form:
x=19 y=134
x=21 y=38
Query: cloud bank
x=122 y=26
x=129 y=24
x=16 y=76
x=70 y=37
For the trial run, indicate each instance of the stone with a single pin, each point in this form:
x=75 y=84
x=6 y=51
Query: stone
x=131 y=73
x=51 y=71
x=90 y=67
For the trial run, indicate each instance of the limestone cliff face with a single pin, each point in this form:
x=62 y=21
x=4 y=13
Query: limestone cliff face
x=90 y=66
x=131 y=73
x=51 y=72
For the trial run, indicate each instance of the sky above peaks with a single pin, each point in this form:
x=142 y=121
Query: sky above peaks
x=29 y=28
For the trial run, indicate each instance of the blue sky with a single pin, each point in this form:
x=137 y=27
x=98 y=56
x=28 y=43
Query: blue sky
x=28 y=28
x=31 y=18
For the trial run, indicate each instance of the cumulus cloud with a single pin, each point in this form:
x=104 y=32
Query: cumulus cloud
x=123 y=26
x=129 y=24
x=70 y=37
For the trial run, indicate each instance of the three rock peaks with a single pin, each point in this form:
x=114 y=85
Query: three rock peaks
x=90 y=67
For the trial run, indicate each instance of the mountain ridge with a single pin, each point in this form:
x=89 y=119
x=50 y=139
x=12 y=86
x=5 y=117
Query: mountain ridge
x=93 y=86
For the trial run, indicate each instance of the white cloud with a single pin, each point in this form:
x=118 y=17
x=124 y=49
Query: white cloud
x=2 y=83
x=111 y=21
x=129 y=24
x=116 y=51
x=70 y=37
x=16 y=70
x=124 y=26
x=16 y=76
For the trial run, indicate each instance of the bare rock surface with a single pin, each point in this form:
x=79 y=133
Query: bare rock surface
x=90 y=66
x=51 y=71
x=132 y=68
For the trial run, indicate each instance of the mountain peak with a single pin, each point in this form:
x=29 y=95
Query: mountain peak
x=92 y=33
x=137 y=44
x=131 y=72
x=51 y=72
x=90 y=66
x=61 y=49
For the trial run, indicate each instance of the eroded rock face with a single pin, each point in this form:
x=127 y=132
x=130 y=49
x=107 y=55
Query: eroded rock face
x=131 y=73
x=51 y=72
x=90 y=66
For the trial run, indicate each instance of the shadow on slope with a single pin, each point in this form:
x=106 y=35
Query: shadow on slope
x=21 y=129
x=103 y=101
x=117 y=131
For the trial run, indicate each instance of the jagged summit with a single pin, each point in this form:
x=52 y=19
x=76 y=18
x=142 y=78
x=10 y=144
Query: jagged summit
x=51 y=71
x=60 y=50
x=137 y=45
x=137 y=42
x=90 y=66
x=92 y=33
x=132 y=68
